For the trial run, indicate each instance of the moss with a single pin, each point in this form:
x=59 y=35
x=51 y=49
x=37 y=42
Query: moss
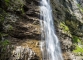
x=64 y=27
x=76 y=42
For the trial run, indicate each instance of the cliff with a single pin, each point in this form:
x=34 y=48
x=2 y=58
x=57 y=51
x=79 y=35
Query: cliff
x=68 y=21
x=20 y=28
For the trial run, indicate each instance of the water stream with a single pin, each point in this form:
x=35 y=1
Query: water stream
x=50 y=46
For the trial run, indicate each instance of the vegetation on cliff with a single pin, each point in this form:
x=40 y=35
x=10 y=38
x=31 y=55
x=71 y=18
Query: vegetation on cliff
x=67 y=15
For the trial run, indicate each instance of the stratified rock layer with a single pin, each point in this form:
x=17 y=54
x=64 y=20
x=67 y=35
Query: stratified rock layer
x=23 y=29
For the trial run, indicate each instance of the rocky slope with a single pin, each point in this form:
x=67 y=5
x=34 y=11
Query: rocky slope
x=19 y=23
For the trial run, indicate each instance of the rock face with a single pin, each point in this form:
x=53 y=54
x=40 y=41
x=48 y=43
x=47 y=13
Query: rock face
x=24 y=21
x=68 y=23
x=21 y=23
x=23 y=28
x=23 y=53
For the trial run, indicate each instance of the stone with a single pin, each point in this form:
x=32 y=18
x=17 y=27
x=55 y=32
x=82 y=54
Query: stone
x=23 y=53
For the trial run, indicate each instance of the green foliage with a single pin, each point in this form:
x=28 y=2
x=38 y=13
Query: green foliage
x=4 y=43
x=22 y=10
x=2 y=35
x=78 y=49
x=76 y=39
x=64 y=27
x=10 y=27
x=7 y=2
x=73 y=26
x=4 y=52
x=78 y=5
x=21 y=6
x=5 y=49
x=1 y=18
x=2 y=15
x=80 y=8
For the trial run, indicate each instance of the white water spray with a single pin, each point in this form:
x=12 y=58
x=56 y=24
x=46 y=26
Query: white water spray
x=50 y=44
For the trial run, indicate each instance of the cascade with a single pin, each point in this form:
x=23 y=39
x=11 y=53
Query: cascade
x=50 y=46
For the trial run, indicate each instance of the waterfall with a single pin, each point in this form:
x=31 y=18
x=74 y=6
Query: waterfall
x=50 y=46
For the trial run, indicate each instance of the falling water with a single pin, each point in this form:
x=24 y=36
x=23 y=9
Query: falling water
x=50 y=44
